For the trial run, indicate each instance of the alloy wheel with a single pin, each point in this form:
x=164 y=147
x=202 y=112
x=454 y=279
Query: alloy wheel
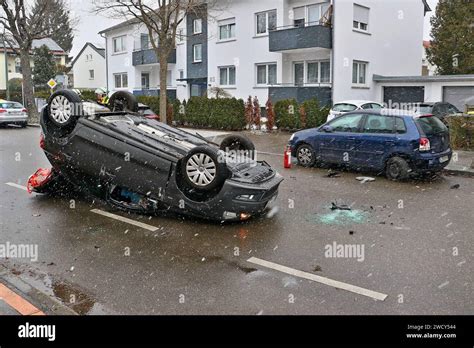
x=61 y=109
x=201 y=169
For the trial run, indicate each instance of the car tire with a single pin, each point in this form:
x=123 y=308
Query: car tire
x=202 y=170
x=397 y=169
x=237 y=142
x=306 y=155
x=64 y=107
x=123 y=101
x=23 y=124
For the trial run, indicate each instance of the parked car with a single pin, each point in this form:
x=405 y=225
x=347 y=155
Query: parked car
x=12 y=112
x=439 y=109
x=352 y=105
x=147 y=112
x=396 y=142
x=139 y=164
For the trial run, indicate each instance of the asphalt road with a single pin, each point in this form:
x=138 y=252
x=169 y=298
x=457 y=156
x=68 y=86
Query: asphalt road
x=417 y=240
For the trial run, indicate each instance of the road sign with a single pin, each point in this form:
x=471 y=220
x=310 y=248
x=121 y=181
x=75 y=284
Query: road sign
x=51 y=83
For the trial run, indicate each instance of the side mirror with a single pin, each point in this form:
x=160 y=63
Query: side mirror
x=327 y=129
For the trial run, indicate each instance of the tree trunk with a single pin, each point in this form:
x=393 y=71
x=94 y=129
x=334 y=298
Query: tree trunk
x=28 y=86
x=163 y=92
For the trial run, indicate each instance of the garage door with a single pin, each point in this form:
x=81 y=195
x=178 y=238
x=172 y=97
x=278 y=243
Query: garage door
x=459 y=96
x=394 y=96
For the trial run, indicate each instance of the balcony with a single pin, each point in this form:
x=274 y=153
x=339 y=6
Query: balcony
x=301 y=93
x=148 y=56
x=304 y=35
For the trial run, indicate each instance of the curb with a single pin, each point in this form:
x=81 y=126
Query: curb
x=34 y=125
x=458 y=172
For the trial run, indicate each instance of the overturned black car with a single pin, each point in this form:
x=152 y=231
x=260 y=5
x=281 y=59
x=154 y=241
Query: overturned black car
x=141 y=165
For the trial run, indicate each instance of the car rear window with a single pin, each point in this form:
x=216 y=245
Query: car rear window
x=344 y=107
x=431 y=125
x=424 y=109
x=11 y=105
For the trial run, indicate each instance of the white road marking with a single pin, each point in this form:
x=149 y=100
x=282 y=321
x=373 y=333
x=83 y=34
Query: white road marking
x=126 y=220
x=270 y=153
x=319 y=279
x=12 y=184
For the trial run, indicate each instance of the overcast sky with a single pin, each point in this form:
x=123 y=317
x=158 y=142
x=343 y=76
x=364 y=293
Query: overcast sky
x=90 y=24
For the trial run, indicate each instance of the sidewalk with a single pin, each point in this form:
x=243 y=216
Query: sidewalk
x=463 y=164
x=18 y=297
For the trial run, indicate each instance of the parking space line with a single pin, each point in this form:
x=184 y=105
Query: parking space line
x=12 y=184
x=126 y=220
x=17 y=302
x=319 y=279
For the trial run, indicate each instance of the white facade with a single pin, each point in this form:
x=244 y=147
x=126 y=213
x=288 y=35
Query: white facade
x=121 y=44
x=386 y=42
x=89 y=68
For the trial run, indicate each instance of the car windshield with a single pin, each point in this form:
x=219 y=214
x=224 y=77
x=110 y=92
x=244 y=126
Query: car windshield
x=431 y=125
x=11 y=105
x=344 y=107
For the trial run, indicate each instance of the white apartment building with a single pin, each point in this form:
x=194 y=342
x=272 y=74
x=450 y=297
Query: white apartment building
x=88 y=67
x=329 y=49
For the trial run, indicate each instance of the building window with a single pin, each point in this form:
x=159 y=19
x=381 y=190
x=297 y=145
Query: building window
x=144 y=41
x=309 y=15
x=197 y=26
x=146 y=80
x=227 y=29
x=91 y=74
x=18 y=65
x=227 y=76
x=266 y=21
x=266 y=74
x=121 y=80
x=180 y=35
x=119 y=44
x=361 y=18
x=359 y=73
x=197 y=53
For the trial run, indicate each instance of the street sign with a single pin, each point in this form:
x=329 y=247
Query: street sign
x=51 y=83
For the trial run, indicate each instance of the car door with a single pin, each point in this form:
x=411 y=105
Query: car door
x=378 y=138
x=337 y=143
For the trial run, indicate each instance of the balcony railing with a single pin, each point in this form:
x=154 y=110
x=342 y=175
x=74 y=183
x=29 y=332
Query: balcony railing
x=301 y=93
x=301 y=35
x=148 y=56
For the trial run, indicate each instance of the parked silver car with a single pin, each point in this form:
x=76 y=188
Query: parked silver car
x=12 y=112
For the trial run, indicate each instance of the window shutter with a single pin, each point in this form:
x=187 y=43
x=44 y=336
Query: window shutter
x=361 y=14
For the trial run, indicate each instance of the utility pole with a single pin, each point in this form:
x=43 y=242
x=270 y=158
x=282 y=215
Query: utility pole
x=7 y=87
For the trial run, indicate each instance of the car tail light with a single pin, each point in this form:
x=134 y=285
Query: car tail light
x=424 y=144
x=3 y=111
x=39 y=178
x=42 y=141
x=152 y=117
x=24 y=110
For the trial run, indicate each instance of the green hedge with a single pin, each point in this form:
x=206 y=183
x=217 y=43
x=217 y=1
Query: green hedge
x=288 y=114
x=203 y=112
x=461 y=129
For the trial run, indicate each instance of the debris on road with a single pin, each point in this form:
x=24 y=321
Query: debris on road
x=333 y=174
x=317 y=268
x=364 y=179
x=335 y=206
x=455 y=186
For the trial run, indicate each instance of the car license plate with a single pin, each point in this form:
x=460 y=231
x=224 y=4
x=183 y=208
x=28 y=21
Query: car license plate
x=444 y=159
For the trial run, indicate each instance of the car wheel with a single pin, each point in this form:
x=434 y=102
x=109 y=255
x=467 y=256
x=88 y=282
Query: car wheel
x=238 y=142
x=64 y=108
x=397 y=169
x=23 y=124
x=123 y=101
x=305 y=155
x=202 y=169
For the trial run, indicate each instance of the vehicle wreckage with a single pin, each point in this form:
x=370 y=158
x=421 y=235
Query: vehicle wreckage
x=141 y=165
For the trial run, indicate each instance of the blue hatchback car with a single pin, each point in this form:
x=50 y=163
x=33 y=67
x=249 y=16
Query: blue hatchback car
x=395 y=142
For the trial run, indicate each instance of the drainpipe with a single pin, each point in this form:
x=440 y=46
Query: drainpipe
x=106 y=63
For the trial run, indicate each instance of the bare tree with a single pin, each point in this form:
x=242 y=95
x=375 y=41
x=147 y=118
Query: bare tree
x=161 y=18
x=23 y=27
